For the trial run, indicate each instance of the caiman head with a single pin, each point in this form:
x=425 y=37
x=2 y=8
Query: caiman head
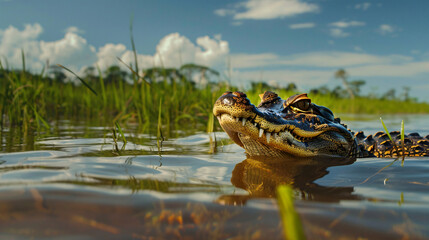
x=277 y=127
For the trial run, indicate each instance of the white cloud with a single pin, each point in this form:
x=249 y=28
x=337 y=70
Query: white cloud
x=12 y=41
x=337 y=28
x=74 y=52
x=345 y=24
x=363 y=6
x=107 y=55
x=74 y=29
x=302 y=25
x=338 y=33
x=268 y=9
x=386 y=29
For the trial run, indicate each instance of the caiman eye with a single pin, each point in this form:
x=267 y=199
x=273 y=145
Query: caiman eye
x=302 y=105
x=298 y=103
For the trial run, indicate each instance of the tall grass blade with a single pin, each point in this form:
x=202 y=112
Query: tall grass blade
x=83 y=81
x=23 y=60
x=133 y=46
x=212 y=136
x=159 y=136
x=115 y=140
x=39 y=118
x=134 y=72
x=122 y=135
x=292 y=226
x=388 y=134
x=103 y=91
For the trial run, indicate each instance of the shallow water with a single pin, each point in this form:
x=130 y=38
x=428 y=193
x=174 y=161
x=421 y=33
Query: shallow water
x=72 y=183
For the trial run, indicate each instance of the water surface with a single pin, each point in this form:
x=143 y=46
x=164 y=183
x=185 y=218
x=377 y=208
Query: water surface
x=72 y=183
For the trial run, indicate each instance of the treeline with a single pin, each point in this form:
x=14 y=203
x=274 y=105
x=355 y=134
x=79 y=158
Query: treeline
x=350 y=89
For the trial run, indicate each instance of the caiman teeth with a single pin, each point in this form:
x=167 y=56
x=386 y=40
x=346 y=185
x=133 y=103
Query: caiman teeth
x=261 y=131
x=243 y=121
x=268 y=135
x=237 y=119
x=218 y=118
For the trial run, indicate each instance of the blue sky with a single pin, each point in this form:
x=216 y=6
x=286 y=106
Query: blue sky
x=277 y=41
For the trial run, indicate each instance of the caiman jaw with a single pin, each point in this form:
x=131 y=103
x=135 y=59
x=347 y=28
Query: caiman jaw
x=268 y=131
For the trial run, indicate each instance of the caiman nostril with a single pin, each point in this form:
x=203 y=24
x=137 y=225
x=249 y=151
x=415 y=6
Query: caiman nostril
x=225 y=93
x=226 y=101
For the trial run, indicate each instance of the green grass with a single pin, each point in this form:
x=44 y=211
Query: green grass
x=31 y=100
x=292 y=226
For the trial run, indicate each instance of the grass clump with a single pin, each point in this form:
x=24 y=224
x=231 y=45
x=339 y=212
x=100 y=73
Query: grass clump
x=34 y=100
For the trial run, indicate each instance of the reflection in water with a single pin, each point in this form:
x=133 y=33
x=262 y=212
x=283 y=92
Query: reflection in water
x=260 y=176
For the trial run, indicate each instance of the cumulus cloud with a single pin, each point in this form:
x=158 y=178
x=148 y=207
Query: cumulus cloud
x=73 y=50
x=267 y=9
x=76 y=53
x=302 y=25
x=386 y=29
x=12 y=41
x=107 y=55
x=175 y=50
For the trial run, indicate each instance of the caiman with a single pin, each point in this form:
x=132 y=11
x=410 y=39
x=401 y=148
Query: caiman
x=298 y=127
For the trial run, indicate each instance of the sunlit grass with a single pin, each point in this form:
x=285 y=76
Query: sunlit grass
x=31 y=100
x=292 y=226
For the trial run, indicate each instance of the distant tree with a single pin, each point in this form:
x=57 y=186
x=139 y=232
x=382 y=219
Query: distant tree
x=159 y=74
x=260 y=87
x=342 y=74
x=56 y=72
x=339 y=92
x=406 y=93
x=356 y=85
x=114 y=74
x=89 y=73
x=323 y=90
x=291 y=87
x=389 y=95
x=202 y=73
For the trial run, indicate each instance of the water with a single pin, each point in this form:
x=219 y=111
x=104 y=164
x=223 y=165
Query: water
x=73 y=184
